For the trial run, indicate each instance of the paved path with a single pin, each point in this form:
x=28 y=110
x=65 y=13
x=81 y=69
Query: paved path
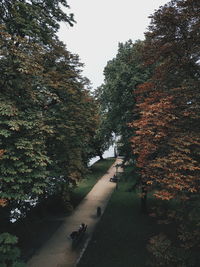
x=57 y=251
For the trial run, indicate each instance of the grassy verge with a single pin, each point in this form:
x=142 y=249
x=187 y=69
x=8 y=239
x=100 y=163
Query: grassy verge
x=97 y=170
x=121 y=236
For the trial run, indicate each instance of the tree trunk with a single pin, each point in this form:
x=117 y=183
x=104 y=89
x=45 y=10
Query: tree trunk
x=5 y=217
x=101 y=156
x=115 y=152
x=144 y=199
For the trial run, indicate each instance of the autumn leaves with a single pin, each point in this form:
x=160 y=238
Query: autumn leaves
x=151 y=96
x=166 y=141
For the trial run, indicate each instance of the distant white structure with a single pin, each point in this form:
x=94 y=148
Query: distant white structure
x=111 y=152
x=107 y=154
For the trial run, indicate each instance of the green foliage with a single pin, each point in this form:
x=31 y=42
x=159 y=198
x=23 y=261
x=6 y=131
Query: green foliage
x=36 y=19
x=101 y=140
x=23 y=164
x=9 y=254
x=69 y=111
x=116 y=97
x=47 y=115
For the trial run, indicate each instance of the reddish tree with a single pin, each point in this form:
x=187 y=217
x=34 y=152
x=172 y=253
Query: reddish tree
x=167 y=141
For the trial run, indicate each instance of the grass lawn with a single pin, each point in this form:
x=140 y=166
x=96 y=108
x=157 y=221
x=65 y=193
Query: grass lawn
x=121 y=236
x=97 y=170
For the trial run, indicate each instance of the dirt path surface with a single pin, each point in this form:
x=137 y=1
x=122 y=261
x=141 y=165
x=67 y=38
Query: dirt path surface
x=58 y=250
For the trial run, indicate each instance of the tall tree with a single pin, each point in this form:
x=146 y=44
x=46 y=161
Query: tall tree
x=23 y=163
x=69 y=109
x=116 y=94
x=167 y=138
x=47 y=115
x=26 y=28
x=102 y=139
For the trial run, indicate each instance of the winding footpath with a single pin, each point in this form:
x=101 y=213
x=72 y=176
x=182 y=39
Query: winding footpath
x=58 y=250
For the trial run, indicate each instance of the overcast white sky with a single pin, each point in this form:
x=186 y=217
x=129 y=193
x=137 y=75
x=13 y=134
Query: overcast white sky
x=101 y=25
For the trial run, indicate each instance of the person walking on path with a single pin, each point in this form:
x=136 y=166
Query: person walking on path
x=58 y=251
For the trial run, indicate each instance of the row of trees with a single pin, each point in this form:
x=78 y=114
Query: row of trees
x=167 y=139
x=152 y=96
x=48 y=117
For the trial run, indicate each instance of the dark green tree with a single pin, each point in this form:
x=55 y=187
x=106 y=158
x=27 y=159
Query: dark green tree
x=27 y=28
x=36 y=19
x=116 y=96
x=102 y=140
x=24 y=159
x=47 y=115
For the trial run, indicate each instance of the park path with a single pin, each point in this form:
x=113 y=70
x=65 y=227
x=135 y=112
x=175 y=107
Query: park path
x=57 y=251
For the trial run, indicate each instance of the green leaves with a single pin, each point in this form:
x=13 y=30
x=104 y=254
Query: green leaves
x=37 y=20
x=8 y=239
x=7 y=108
x=116 y=94
x=47 y=115
x=9 y=254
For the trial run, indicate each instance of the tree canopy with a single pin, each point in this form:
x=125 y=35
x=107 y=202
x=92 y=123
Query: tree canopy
x=116 y=97
x=48 y=117
x=151 y=99
x=167 y=131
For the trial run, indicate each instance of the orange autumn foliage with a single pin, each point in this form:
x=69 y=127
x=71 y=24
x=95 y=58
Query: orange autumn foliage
x=3 y=202
x=167 y=140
